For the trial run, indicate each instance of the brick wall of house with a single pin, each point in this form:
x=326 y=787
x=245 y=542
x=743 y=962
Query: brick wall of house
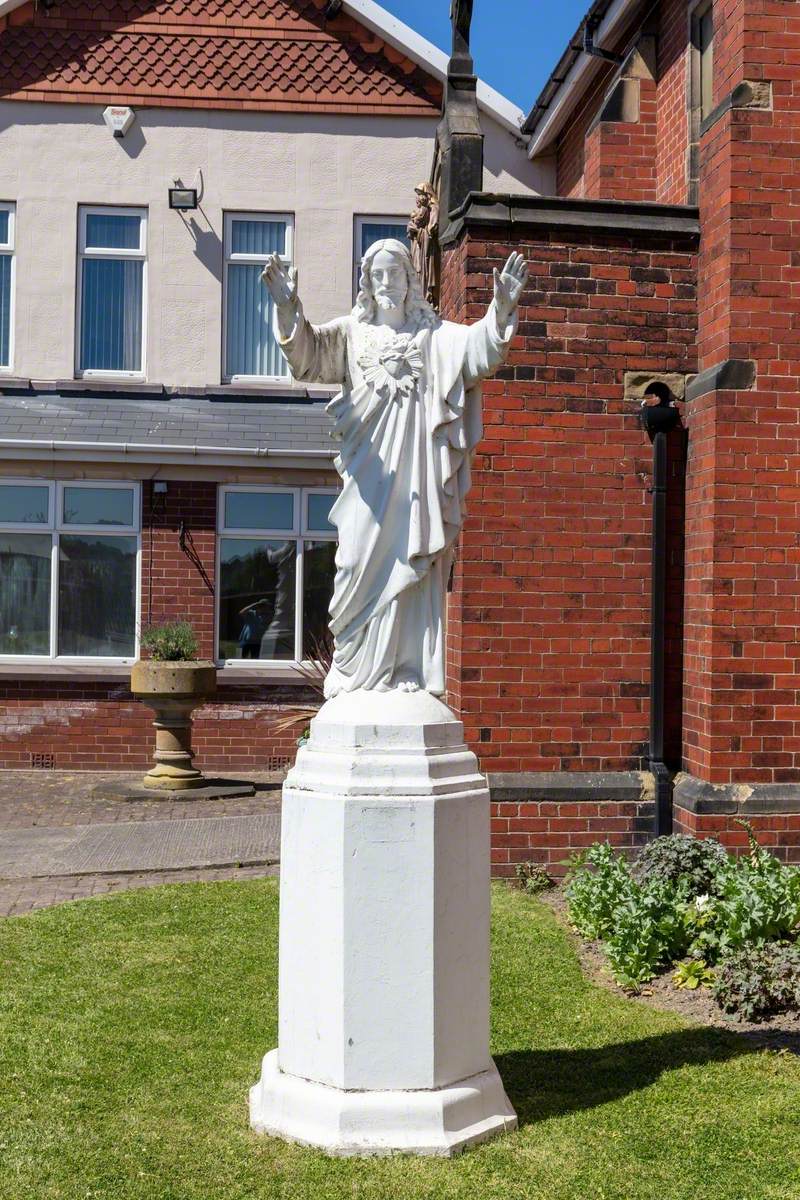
x=570 y=156
x=642 y=159
x=742 y=719
x=549 y=614
x=620 y=156
x=672 y=118
x=178 y=557
x=94 y=726
x=778 y=832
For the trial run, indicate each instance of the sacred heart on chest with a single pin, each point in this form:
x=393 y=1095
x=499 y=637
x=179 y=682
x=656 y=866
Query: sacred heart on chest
x=391 y=368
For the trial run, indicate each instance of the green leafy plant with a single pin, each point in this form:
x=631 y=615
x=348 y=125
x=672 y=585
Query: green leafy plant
x=596 y=890
x=676 y=857
x=759 y=981
x=653 y=914
x=173 y=641
x=693 y=973
x=758 y=901
x=533 y=878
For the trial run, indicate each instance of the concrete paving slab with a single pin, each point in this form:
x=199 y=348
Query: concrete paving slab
x=140 y=846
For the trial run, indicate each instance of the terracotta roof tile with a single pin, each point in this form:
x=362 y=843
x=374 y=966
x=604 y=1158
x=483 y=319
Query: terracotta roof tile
x=280 y=51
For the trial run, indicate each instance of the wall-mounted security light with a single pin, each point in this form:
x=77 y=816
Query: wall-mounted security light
x=119 y=119
x=182 y=198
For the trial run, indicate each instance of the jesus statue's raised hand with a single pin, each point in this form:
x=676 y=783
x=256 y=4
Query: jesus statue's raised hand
x=282 y=286
x=508 y=286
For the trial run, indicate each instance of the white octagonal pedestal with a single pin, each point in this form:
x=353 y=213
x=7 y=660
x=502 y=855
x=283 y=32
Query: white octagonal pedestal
x=383 y=1041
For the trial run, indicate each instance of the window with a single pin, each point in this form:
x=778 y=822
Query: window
x=69 y=567
x=276 y=568
x=702 y=62
x=7 y=215
x=112 y=244
x=375 y=229
x=250 y=346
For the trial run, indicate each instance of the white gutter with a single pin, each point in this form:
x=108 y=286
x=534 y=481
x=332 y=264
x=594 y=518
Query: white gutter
x=434 y=60
x=143 y=451
x=579 y=75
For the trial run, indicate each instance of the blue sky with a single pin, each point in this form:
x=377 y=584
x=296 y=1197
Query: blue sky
x=515 y=43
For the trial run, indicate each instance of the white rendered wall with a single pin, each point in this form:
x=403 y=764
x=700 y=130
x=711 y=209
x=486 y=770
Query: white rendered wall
x=323 y=169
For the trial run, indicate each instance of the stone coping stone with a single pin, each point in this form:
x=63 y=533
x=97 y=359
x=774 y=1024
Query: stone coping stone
x=734 y=799
x=621 y=786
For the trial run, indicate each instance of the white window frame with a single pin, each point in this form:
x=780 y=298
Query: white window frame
x=140 y=254
x=8 y=249
x=55 y=527
x=287 y=258
x=359 y=221
x=299 y=534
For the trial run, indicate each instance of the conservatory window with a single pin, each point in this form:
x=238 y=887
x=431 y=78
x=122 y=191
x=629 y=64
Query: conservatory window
x=69 y=569
x=276 y=567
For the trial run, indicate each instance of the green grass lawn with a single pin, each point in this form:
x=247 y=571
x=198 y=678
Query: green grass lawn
x=131 y=1028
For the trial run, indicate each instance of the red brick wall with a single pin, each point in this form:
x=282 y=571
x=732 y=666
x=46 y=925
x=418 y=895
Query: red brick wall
x=777 y=832
x=550 y=609
x=100 y=726
x=620 y=156
x=176 y=581
x=742 y=719
x=642 y=160
x=549 y=832
x=571 y=150
x=672 y=118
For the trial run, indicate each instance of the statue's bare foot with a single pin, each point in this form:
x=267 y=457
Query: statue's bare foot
x=408 y=685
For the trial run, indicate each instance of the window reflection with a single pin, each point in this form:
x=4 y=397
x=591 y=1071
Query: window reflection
x=96 y=595
x=24 y=504
x=257 y=598
x=318 y=572
x=97 y=506
x=25 y=560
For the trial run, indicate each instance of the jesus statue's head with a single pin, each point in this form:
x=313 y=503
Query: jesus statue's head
x=388 y=280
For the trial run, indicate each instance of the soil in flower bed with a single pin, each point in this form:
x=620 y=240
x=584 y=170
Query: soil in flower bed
x=776 y=1033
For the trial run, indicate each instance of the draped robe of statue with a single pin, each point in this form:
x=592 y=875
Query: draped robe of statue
x=408 y=418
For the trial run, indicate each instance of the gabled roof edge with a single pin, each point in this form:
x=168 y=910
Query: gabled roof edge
x=425 y=54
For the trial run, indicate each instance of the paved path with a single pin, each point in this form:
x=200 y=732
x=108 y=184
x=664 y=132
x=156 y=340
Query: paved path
x=140 y=846
x=76 y=798
x=62 y=839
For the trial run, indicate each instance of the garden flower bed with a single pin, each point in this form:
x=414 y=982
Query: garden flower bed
x=688 y=918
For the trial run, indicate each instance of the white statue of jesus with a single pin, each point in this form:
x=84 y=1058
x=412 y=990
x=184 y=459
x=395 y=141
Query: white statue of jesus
x=408 y=417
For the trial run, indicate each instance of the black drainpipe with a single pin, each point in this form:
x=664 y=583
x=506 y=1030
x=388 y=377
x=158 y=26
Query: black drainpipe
x=658 y=420
x=589 y=30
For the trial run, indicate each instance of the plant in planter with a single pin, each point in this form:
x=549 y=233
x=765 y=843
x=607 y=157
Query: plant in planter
x=173 y=683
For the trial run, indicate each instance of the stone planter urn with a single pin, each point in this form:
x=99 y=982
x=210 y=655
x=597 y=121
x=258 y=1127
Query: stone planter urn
x=173 y=690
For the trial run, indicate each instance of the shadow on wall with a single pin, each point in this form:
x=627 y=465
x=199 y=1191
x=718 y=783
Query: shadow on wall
x=552 y=1083
x=134 y=141
x=207 y=244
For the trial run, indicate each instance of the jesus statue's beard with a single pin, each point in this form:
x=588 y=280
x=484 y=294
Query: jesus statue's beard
x=387 y=303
